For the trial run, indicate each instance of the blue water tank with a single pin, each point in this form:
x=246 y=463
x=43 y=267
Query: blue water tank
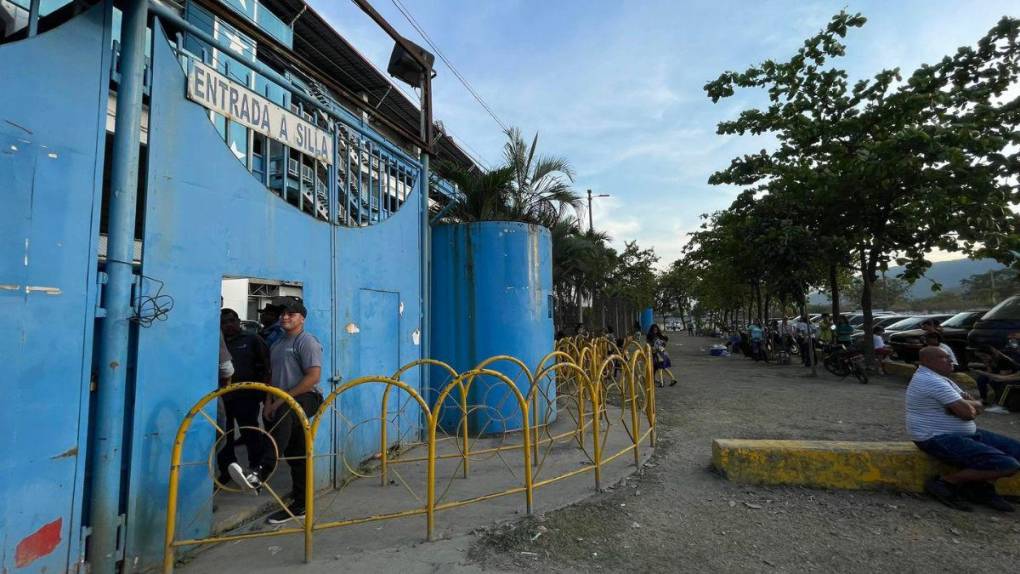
x=491 y=295
x=647 y=318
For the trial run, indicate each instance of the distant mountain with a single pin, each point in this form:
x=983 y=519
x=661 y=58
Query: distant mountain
x=949 y=274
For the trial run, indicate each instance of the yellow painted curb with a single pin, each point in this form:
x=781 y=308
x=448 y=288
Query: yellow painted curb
x=964 y=380
x=832 y=464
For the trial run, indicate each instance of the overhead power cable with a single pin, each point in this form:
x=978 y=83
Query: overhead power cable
x=421 y=31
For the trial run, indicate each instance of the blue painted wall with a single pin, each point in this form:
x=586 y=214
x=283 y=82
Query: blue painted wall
x=207 y=217
x=51 y=157
x=491 y=288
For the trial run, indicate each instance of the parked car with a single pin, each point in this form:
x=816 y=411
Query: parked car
x=856 y=319
x=906 y=344
x=912 y=322
x=883 y=321
x=994 y=326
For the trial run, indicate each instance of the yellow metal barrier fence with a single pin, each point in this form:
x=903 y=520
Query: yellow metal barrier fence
x=587 y=371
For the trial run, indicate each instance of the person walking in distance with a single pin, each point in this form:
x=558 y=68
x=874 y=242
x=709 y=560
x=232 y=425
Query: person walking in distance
x=296 y=366
x=844 y=332
x=805 y=339
x=757 y=340
x=660 y=358
x=825 y=334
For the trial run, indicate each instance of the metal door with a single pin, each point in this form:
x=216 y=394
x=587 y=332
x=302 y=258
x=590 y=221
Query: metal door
x=51 y=157
x=375 y=351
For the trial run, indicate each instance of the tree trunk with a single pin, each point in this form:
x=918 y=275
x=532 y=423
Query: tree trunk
x=868 y=265
x=834 y=289
x=812 y=358
x=580 y=307
x=761 y=307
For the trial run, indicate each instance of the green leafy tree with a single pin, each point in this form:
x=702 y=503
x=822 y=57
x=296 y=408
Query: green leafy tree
x=991 y=287
x=901 y=167
x=886 y=292
x=634 y=280
x=676 y=288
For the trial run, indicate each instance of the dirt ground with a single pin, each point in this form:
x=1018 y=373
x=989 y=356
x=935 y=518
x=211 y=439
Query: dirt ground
x=678 y=515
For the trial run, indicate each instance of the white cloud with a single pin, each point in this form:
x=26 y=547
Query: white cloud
x=617 y=88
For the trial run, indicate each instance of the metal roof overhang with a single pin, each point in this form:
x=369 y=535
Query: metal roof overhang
x=361 y=83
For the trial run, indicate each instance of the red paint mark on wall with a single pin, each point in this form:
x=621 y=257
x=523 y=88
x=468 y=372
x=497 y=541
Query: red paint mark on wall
x=38 y=544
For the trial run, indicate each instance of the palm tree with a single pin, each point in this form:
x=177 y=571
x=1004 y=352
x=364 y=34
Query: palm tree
x=528 y=188
x=582 y=265
x=484 y=194
x=541 y=190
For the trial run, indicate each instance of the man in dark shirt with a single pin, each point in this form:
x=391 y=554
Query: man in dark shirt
x=269 y=318
x=250 y=358
x=1003 y=369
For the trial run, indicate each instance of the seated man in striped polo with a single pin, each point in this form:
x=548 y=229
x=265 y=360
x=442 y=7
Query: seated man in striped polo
x=940 y=420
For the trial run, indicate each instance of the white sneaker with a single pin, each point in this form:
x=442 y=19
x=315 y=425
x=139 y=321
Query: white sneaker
x=249 y=481
x=996 y=409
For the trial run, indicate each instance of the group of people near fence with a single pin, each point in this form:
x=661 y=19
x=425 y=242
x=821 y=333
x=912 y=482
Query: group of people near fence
x=654 y=337
x=285 y=356
x=781 y=335
x=805 y=337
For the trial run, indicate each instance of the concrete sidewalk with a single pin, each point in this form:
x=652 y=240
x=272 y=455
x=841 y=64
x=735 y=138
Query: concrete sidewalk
x=399 y=544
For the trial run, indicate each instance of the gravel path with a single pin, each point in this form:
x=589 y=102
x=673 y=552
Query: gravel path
x=680 y=516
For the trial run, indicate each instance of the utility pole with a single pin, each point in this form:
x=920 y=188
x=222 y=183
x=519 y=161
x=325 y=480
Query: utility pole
x=591 y=226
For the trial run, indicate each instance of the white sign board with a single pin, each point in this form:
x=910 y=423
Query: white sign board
x=215 y=91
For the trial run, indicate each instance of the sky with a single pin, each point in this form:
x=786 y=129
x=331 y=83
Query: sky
x=617 y=87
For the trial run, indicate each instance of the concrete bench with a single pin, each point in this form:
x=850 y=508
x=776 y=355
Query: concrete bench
x=906 y=370
x=832 y=464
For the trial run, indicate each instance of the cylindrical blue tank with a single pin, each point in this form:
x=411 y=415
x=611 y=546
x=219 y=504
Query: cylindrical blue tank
x=492 y=295
x=647 y=318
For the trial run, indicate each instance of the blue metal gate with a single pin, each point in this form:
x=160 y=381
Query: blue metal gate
x=207 y=216
x=51 y=159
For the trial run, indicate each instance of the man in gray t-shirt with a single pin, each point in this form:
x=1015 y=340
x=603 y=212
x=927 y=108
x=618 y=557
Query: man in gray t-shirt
x=296 y=366
x=940 y=419
x=292 y=358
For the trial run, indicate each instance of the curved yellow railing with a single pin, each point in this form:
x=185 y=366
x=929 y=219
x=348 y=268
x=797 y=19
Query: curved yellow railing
x=586 y=371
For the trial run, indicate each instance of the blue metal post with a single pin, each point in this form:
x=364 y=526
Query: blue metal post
x=426 y=231
x=426 y=273
x=647 y=318
x=33 y=17
x=108 y=436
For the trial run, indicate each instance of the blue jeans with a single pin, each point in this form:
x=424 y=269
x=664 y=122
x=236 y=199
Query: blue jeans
x=983 y=450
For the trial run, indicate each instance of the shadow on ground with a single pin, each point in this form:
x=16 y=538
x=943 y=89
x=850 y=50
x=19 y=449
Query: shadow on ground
x=678 y=515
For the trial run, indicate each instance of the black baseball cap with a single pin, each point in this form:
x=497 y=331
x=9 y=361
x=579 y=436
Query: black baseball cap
x=290 y=303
